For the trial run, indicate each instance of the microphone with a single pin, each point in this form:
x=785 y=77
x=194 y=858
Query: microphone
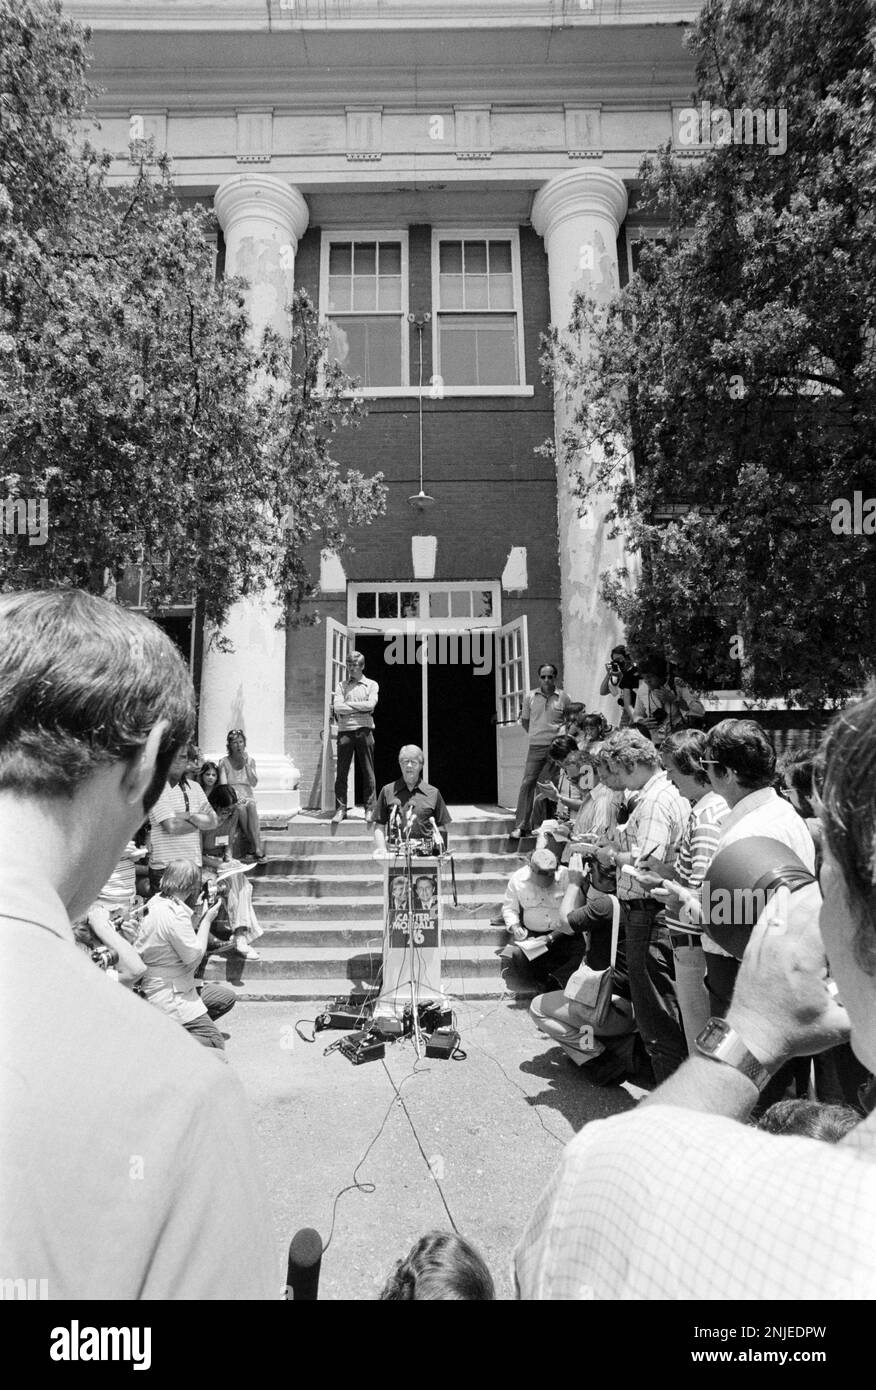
x=394 y=820
x=437 y=841
x=302 y=1271
x=409 y=819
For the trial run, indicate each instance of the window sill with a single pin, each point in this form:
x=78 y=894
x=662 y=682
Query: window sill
x=431 y=393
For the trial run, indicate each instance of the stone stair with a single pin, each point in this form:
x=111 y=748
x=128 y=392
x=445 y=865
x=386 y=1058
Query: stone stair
x=319 y=900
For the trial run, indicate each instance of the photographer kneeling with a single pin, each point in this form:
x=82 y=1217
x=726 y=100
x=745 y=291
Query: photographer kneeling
x=171 y=946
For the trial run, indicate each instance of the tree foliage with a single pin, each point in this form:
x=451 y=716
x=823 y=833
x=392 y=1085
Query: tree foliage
x=727 y=395
x=132 y=398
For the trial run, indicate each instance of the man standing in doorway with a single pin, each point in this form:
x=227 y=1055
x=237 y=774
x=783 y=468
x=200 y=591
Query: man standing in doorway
x=543 y=716
x=353 y=706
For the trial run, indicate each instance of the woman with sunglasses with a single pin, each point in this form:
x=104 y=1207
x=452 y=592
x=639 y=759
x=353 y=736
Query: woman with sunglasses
x=238 y=770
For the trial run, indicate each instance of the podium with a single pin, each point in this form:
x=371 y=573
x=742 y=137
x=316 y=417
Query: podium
x=413 y=913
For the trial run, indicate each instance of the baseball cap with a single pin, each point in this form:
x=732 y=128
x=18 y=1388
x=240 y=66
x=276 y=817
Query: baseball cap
x=544 y=861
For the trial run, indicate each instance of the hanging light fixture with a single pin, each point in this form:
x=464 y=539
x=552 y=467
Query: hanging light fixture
x=421 y=500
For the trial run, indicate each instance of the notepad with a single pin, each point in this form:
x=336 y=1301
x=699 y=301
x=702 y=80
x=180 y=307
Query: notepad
x=533 y=947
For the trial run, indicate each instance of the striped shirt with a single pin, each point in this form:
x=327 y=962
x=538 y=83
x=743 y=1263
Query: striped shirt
x=176 y=801
x=655 y=827
x=697 y=849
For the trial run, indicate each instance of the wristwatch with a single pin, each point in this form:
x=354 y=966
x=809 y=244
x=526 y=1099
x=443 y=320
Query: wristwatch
x=719 y=1041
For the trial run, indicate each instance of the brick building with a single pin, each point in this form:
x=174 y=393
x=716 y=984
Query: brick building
x=473 y=161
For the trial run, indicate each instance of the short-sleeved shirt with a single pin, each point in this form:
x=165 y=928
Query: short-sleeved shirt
x=697 y=850
x=425 y=801
x=529 y=904
x=655 y=826
x=546 y=715
x=168 y=948
x=180 y=800
x=119 y=1147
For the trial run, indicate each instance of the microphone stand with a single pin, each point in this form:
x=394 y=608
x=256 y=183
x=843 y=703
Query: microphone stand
x=409 y=880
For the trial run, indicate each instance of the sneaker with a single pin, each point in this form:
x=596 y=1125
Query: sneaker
x=338 y=817
x=518 y=833
x=243 y=948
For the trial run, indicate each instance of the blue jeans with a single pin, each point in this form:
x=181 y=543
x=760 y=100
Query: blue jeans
x=652 y=986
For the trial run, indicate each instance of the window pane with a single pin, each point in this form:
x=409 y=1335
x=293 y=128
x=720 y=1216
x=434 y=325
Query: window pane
x=438 y=607
x=500 y=258
x=460 y=603
x=387 y=605
x=365 y=258
x=476 y=292
x=340 y=253
x=368 y=349
x=365 y=293
x=475 y=258
x=501 y=292
x=366 y=605
x=410 y=605
x=482 y=604
x=390 y=258
x=128 y=587
x=478 y=349
x=451 y=292
x=450 y=257
x=340 y=293
x=389 y=292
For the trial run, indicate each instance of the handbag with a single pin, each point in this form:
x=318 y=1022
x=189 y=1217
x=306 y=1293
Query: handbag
x=591 y=990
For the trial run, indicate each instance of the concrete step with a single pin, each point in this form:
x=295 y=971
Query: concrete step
x=356 y=826
x=320 y=989
x=360 y=967
x=298 y=886
x=355 y=910
x=361 y=846
x=331 y=864
x=477 y=932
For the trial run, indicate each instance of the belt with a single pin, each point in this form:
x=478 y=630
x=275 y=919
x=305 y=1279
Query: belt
x=645 y=905
x=684 y=938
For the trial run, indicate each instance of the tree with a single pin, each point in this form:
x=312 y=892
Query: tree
x=133 y=402
x=728 y=392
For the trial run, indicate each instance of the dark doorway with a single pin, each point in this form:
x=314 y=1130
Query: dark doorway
x=398 y=718
x=462 y=733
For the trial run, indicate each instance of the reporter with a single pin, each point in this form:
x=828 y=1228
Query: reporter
x=642 y=1201
x=171 y=946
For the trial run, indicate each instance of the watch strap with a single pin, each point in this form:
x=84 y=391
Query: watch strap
x=732 y=1051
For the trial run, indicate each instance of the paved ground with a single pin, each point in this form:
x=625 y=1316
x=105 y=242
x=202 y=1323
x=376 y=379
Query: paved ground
x=485 y=1132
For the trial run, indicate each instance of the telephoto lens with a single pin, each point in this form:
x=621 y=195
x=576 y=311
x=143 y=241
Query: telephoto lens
x=105 y=957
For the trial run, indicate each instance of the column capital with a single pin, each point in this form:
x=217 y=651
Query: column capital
x=255 y=197
x=598 y=192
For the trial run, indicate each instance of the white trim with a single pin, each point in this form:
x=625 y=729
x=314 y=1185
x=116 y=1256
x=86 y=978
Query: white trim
x=512 y=235
x=412 y=392
x=346 y=235
x=423 y=588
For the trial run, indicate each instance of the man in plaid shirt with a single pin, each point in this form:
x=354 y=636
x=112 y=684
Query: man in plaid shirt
x=630 y=761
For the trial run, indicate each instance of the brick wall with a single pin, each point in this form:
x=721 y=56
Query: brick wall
x=492 y=491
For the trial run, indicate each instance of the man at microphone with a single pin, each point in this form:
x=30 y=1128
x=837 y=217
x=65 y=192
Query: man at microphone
x=410 y=808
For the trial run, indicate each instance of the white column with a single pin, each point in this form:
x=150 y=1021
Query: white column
x=262 y=218
x=579 y=214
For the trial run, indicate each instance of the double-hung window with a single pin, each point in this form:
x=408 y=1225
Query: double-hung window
x=478 y=330
x=364 y=300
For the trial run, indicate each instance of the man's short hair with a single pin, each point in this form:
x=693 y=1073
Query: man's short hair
x=848 y=814
x=687 y=748
x=182 y=876
x=82 y=683
x=628 y=747
x=541 y=666
x=653 y=665
x=742 y=746
x=419 y=752
x=355 y=656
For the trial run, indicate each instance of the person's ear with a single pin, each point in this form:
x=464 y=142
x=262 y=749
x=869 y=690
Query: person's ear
x=140 y=769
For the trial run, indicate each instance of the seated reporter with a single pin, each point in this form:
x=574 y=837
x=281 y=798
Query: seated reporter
x=171 y=944
x=531 y=909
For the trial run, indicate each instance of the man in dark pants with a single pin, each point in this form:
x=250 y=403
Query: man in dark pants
x=629 y=760
x=353 y=705
x=544 y=713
